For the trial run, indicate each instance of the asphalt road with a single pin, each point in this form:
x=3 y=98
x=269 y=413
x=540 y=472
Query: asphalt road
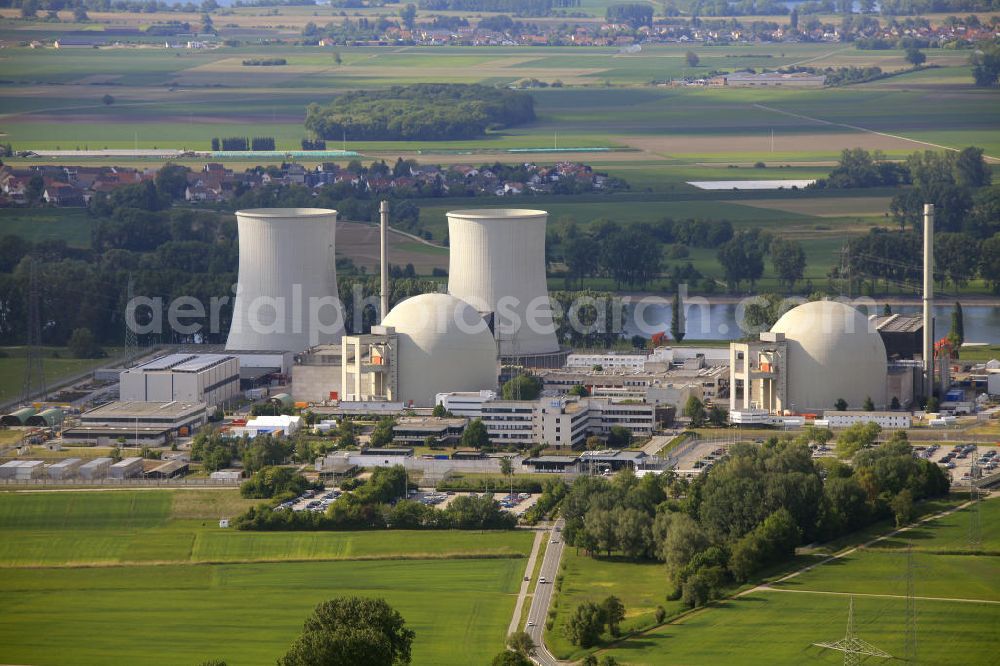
x=543 y=595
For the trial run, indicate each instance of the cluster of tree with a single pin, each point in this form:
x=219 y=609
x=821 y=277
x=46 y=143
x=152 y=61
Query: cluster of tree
x=350 y=631
x=421 y=111
x=271 y=482
x=742 y=257
x=729 y=8
x=589 y=319
x=553 y=492
x=630 y=255
x=695 y=409
x=264 y=62
x=241 y=143
x=859 y=168
x=313 y=144
x=634 y=14
x=985 y=61
x=590 y=620
x=515 y=7
x=381 y=503
x=748 y=512
x=522 y=387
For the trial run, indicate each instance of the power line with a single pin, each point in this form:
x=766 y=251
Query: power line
x=855 y=649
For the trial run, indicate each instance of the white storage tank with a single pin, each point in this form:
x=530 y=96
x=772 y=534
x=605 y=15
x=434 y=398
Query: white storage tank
x=497 y=264
x=287 y=267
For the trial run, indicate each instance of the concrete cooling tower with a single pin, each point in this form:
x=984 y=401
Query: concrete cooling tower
x=287 y=281
x=497 y=264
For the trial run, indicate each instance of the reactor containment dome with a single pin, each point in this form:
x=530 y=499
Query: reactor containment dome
x=832 y=353
x=497 y=264
x=287 y=297
x=443 y=345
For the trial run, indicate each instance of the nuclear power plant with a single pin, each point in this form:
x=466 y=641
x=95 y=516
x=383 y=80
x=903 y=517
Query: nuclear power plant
x=287 y=281
x=497 y=264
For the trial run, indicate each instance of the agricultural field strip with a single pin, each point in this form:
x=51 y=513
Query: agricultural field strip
x=854 y=549
x=864 y=129
x=765 y=588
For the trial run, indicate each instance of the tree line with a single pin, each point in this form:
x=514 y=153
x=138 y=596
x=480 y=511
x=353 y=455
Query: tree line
x=748 y=512
x=380 y=503
x=421 y=111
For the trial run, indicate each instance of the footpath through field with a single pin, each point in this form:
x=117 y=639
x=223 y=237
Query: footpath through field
x=767 y=586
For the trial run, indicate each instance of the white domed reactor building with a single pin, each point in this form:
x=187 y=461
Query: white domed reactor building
x=287 y=281
x=816 y=354
x=427 y=344
x=497 y=264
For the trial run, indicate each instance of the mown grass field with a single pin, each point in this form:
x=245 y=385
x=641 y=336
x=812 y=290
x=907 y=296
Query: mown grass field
x=104 y=575
x=957 y=622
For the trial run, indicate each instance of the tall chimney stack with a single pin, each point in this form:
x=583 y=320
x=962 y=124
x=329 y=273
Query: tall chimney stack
x=383 y=210
x=928 y=300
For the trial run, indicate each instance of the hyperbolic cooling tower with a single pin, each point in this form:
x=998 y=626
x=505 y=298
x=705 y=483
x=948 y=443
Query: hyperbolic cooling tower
x=497 y=264
x=287 y=297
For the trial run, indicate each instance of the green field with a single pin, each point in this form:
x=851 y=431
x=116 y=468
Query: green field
x=57 y=364
x=103 y=575
x=957 y=616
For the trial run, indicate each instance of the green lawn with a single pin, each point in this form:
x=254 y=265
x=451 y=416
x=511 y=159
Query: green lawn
x=246 y=614
x=200 y=592
x=779 y=625
x=39 y=225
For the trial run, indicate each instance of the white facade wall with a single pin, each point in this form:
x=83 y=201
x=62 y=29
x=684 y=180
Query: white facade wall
x=629 y=362
x=510 y=421
x=637 y=418
x=993 y=383
x=286 y=264
x=468 y=403
x=497 y=264
x=29 y=469
x=218 y=382
x=887 y=420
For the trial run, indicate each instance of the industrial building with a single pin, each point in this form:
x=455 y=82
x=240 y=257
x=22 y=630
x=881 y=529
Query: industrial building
x=465 y=403
x=415 y=430
x=497 y=265
x=287 y=280
x=65 y=468
x=51 y=417
x=427 y=344
x=280 y=425
x=126 y=468
x=95 y=469
x=816 y=354
x=563 y=422
x=887 y=420
x=154 y=423
x=210 y=378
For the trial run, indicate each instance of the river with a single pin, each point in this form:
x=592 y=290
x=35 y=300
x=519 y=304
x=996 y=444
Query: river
x=718 y=321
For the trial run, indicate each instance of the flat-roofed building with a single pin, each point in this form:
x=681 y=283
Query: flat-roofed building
x=154 y=423
x=887 y=420
x=95 y=469
x=414 y=430
x=127 y=468
x=64 y=469
x=209 y=378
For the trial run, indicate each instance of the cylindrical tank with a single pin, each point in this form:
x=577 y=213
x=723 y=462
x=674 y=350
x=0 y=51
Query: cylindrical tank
x=497 y=264
x=443 y=345
x=287 y=296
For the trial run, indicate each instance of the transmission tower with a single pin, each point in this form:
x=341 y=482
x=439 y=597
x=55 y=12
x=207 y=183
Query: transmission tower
x=975 y=536
x=131 y=342
x=855 y=650
x=34 y=375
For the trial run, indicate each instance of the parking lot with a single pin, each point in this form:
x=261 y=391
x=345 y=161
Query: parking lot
x=698 y=456
x=957 y=459
x=318 y=501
